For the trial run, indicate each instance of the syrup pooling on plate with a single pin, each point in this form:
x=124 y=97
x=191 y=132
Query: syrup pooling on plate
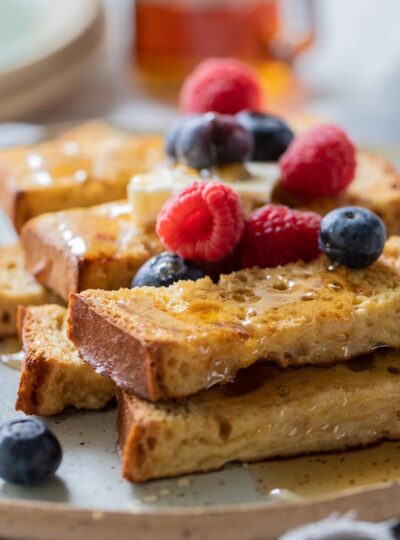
x=11 y=354
x=324 y=474
x=13 y=360
x=314 y=390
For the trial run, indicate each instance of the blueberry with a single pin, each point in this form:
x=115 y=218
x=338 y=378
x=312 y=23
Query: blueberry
x=271 y=134
x=29 y=452
x=173 y=133
x=164 y=269
x=352 y=236
x=213 y=139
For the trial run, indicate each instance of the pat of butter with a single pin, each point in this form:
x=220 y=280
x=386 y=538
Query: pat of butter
x=147 y=193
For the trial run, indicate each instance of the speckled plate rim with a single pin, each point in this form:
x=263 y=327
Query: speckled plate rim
x=45 y=521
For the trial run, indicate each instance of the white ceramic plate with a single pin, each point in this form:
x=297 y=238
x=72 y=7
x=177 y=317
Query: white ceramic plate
x=90 y=499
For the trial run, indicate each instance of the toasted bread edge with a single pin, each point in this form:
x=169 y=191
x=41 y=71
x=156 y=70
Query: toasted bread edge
x=95 y=336
x=56 y=270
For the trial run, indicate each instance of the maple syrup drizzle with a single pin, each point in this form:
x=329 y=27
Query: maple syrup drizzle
x=11 y=354
x=99 y=233
x=321 y=474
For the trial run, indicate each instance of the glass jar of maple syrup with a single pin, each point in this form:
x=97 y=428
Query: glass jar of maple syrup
x=172 y=36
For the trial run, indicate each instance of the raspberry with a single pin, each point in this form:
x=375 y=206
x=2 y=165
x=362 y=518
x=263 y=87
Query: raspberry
x=275 y=235
x=203 y=222
x=320 y=162
x=223 y=85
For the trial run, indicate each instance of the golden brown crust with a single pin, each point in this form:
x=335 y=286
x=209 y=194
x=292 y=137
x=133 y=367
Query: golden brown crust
x=135 y=467
x=34 y=371
x=79 y=249
x=7 y=191
x=264 y=413
x=21 y=313
x=129 y=363
x=53 y=376
x=179 y=340
x=128 y=435
x=15 y=202
x=52 y=265
x=136 y=436
x=34 y=374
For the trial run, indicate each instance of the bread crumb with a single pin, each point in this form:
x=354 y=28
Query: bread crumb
x=184 y=482
x=150 y=498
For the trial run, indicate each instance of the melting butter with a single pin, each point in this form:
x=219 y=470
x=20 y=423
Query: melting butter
x=148 y=192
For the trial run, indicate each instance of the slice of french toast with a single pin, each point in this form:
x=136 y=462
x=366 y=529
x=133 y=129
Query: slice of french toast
x=88 y=165
x=86 y=248
x=53 y=376
x=267 y=412
x=376 y=186
x=177 y=340
x=264 y=413
x=17 y=287
x=65 y=251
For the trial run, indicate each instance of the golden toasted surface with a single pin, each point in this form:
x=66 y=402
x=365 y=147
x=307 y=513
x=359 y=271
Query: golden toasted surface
x=83 y=248
x=192 y=335
x=376 y=187
x=88 y=165
x=53 y=376
x=266 y=412
x=17 y=287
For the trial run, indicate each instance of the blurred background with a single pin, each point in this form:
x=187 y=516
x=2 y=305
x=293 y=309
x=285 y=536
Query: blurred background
x=125 y=59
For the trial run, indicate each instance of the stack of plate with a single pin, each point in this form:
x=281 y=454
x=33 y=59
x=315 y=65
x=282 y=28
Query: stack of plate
x=45 y=47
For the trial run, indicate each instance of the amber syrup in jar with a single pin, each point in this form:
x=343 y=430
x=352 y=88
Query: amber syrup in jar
x=172 y=36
